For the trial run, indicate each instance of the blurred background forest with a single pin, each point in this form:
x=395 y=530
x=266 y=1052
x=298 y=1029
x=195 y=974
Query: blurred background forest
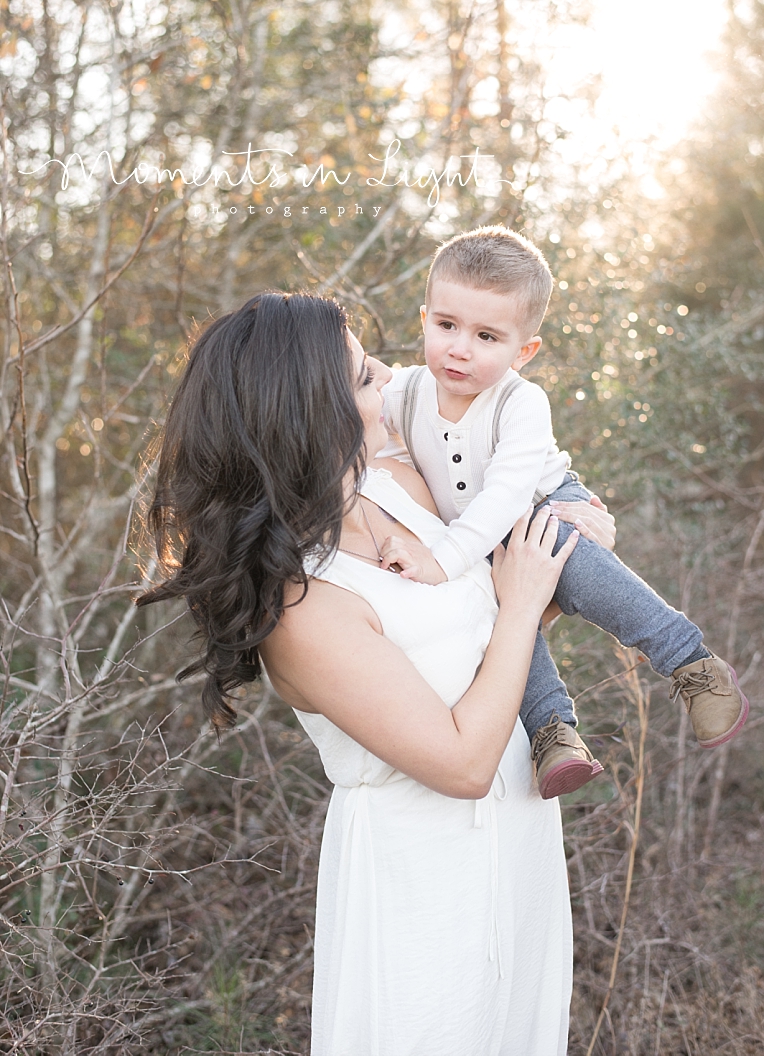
x=156 y=887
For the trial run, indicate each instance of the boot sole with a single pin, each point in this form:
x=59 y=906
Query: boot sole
x=739 y=724
x=567 y=777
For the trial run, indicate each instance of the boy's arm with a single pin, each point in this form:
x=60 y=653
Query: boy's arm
x=414 y=559
x=393 y=395
x=510 y=482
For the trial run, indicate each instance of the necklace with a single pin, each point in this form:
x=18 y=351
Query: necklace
x=393 y=568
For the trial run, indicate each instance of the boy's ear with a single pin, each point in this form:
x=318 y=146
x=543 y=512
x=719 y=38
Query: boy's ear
x=526 y=353
x=423 y=313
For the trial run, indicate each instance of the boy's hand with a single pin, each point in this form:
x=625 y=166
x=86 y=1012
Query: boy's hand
x=414 y=558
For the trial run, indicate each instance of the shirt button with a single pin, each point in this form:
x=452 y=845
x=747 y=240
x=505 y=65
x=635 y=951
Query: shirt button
x=460 y=485
x=456 y=458
x=445 y=436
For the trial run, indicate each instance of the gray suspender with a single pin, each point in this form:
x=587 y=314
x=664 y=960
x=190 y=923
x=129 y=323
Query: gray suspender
x=538 y=496
x=408 y=409
x=501 y=403
x=410 y=390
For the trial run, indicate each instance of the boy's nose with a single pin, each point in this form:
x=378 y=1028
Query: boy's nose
x=460 y=349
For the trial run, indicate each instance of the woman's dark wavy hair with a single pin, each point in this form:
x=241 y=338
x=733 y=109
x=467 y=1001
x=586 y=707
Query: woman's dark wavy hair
x=260 y=435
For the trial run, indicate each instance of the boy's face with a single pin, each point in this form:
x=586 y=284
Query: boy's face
x=472 y=337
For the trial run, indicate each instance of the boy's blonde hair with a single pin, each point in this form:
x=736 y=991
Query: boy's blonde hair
x=495 y=258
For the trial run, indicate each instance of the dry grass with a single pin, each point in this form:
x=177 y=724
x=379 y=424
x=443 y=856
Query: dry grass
x=690 y=974
x=185 y=878
x=220 y=961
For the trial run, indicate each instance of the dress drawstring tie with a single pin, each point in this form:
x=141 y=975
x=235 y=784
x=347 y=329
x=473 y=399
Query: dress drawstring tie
x=357 y=982
x=485 y=815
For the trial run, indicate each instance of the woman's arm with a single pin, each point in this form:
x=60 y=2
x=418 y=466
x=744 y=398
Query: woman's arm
x=329 y=655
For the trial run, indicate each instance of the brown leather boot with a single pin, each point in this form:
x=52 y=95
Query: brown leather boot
x=563 y=762
x=714 y=701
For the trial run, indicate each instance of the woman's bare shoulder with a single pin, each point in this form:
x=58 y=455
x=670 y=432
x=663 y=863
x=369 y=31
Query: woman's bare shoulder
x=311 y=612
x=318 y=602
x=409 y=480
x=314 y=620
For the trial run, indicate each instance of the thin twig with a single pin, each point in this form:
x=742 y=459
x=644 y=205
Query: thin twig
x=643 y=706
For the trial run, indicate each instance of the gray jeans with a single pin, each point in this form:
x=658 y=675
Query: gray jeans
x=598 y=586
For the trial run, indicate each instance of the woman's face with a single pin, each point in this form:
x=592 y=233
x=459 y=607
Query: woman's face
x=370 y=375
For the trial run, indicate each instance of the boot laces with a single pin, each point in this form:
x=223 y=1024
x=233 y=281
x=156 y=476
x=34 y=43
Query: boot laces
x=691 y=683
x=552 y=733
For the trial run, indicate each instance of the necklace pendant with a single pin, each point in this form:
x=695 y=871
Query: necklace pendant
x=395 y=568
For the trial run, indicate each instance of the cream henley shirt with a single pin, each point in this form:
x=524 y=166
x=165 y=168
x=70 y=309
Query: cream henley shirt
x=478 y=496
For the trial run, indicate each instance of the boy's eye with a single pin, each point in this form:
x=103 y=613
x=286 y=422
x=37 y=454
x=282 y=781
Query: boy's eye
x=484 y=336
x=446 y=325
x=369 y=376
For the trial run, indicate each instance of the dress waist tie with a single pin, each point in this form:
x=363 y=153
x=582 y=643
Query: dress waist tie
x=485 y=816
x=358 y=980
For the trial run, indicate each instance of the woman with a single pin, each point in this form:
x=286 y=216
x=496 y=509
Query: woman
x=443 y=921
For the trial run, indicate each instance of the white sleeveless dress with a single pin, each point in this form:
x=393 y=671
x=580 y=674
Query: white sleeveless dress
x=443 y=926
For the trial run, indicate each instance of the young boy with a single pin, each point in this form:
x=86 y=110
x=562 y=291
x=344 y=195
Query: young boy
x=482 y=438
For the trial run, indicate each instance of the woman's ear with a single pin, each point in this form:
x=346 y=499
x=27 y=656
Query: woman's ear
x=526 y=353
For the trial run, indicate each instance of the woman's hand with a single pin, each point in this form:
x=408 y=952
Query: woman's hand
x=590 y=518
x=525 y=575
